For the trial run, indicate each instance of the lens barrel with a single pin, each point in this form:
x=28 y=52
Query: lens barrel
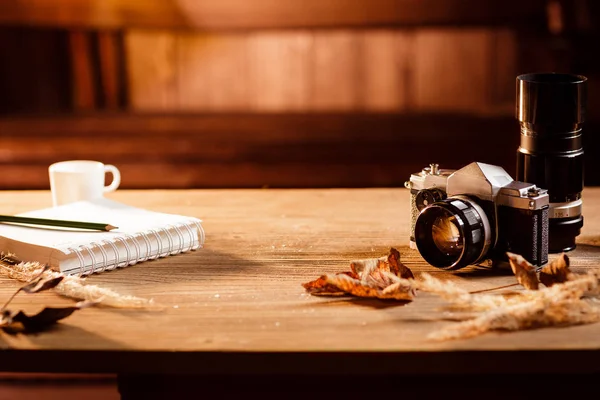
x=471 y=224
x=551 y=109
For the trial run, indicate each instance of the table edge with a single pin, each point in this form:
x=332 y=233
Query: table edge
x=322 y=363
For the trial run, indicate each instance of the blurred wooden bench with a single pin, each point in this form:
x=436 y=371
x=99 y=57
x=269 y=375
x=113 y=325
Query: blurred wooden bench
x=304 y=93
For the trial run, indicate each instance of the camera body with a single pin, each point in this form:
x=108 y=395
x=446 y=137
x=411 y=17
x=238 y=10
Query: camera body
x=482 y=214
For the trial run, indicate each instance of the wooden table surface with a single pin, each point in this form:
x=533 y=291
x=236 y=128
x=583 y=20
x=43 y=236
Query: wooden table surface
x=238 y=305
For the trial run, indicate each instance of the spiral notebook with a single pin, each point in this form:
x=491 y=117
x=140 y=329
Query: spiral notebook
x=141 y=235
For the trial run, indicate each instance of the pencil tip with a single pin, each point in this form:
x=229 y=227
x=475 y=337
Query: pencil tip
x=110 y=227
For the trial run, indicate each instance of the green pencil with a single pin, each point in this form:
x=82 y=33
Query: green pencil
x=57 y=222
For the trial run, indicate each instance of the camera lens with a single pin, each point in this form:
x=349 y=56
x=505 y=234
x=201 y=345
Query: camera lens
x=551 y=109
x=453 y=233
x=447 y=236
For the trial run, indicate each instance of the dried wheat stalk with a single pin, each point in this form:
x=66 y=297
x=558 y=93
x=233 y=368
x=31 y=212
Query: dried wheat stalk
x=526 y=315
x=560 y=304
x=460 y=298
x=72 y=286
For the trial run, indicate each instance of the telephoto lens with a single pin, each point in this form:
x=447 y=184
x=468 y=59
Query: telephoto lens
x=551 y=109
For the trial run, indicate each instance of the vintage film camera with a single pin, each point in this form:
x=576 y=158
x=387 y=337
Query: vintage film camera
x=476 y=213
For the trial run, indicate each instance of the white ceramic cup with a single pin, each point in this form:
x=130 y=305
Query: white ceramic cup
x=80 y=180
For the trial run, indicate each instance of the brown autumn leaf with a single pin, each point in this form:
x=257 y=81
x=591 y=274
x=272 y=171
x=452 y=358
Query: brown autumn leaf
x=557 y=271
x=524 y=271
x=397 y=267
x=380 y=278
x=10 y=259
x=372 y=277
x=23 y=323
x=361 y=289
x=360 y=269
x=39 y=284
x=374 y=267
x=320 y=287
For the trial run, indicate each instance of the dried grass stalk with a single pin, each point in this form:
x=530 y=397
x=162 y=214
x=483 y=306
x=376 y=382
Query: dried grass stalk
x=560 y=304
x=460 y=298
x=527 y=315
x=445 y=289
x=74 y=287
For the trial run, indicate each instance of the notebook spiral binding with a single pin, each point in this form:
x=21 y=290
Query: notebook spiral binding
x=133 y=247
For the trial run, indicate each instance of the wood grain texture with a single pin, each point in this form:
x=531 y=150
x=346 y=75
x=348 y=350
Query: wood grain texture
x=504 y=70
x=241 y=14
x=237 y=305
x=374 y=70
x=83 y=88
x=280 y=70
x=110 y=65
x=386 y=68
x=213 y=72
x=336 y=71
x=53 y=390
x=253 y=150
x=452 y=70
x=152 y=70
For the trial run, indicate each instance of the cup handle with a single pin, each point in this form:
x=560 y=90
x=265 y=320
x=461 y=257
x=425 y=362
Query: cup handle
x=116 y=181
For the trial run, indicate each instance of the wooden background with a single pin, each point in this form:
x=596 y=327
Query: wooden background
x=185 y=94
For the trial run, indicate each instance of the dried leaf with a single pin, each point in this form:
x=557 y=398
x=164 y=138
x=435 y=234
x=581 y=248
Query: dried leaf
x=320 y=287
x=383 y=277
x=363 y=268
x=23 y=323
x=360 y=289
x=44 y=268
x=397 y=267
x=556 y=272
x=9 y=259
x=41 y=284
x=524 y=271
x=380 y=277
x=375 y=266
x=37 y=284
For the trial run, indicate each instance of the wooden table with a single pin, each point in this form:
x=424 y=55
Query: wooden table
x=237 y=307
